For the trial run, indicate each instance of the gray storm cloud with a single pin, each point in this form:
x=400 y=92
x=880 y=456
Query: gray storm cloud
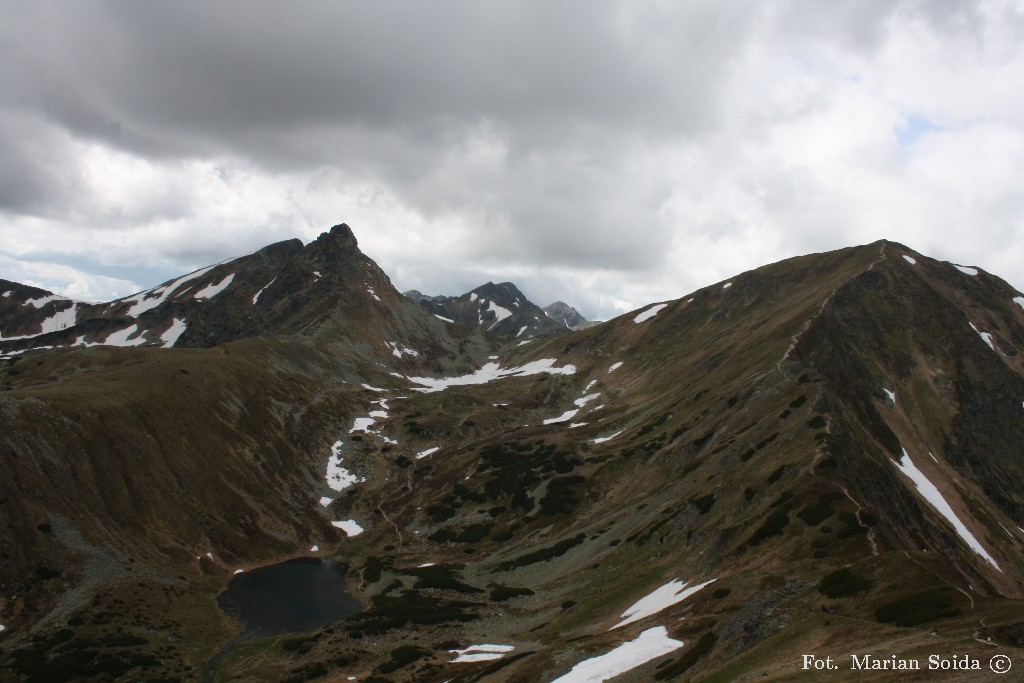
x=662 y=145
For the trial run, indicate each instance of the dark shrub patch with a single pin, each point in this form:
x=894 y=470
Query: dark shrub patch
x=773 y=526
x=819 y=511
x=704 y=503
x=777 y=474
x=409 y=607
x=502 y=593
x=843 y=583
x=917 y=609
x=700 y=648
x=542 y=555
x=817 y=422
x=401 y=656
x=439 y=576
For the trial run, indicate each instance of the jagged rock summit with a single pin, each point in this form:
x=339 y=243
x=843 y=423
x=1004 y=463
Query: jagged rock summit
x=498 y=308
x=821 y=455
x=568 y=316
x=284 y=288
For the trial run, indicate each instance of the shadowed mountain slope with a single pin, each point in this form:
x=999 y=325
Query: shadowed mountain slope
x=820 y=455
x=498 y=308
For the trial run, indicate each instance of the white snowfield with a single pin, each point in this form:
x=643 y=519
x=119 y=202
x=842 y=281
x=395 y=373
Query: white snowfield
x=651 y=644
x=338 y=478
x=966 y=269
x=649 y=313
x=120 y=338
x=569 y=414
x=614 y=367
x=910 y=260
x=490 y=372
x=935 y=499
x=602 y=439
x=429 y=451
x=160 y=294
x=349 y=526
x=481 y=653
x=257 y=296
x=499 y=312
x=985 y=336
x=172 y=333
x=673 y=592
x=215 y=288
x=326 y=500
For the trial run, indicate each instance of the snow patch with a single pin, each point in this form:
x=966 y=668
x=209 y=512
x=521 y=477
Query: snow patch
x=649 y=313
x=890 y=394
x=349 y=526
x=910 y=260
x=429 y=451
x=257 y=297
x=673 y=592
x=614 y=367
x=42 y=301
x=372 y=293
x=239 y=571
x=602 y=439
x=569 y=414
x=326 y=500
x=172 y=333
x=61 y=320
x=441 y=317
x=500 y=313
x=314 y=548
x=120 y=338
x=985 y=336
x=727 y=285
x=364 y=385
x=490 y=372
x=966 y=269
x=338 y=478
x=934 y=498
x=399 y=350
x=214 y=289
x=472 y=296
x=481 y=653
x=521 y=330
x=651 y=644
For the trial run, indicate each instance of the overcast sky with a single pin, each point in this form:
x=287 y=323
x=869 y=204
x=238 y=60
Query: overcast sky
x=608 y=154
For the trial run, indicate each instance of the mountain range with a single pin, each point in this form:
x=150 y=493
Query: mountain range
x=503 y=309
x=819 y=457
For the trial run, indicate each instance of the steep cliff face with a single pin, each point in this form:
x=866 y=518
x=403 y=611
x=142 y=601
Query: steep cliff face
x=818 y=454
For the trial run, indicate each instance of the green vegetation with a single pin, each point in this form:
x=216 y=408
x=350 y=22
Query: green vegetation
x=918 y=608
x=440 y=577
x=408 y=608
x=402 y=656
x=542 y=555
x=773 y=526
x=843 y=583
x=673 y=669
x=502 y=593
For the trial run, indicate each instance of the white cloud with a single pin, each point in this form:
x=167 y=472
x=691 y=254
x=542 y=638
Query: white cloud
x=632 y=157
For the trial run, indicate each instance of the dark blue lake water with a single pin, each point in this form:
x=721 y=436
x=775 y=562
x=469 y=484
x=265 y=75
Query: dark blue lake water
x=298 y=595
